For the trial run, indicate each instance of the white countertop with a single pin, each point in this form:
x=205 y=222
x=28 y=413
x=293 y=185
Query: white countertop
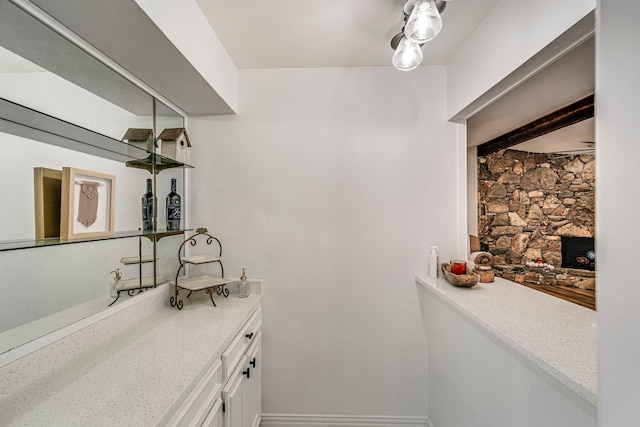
x=133 y=369
x=553 y=336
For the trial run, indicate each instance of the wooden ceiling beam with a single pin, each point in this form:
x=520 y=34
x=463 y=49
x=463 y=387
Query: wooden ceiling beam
x=565 y=116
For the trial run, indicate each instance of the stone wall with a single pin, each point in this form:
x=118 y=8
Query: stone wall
x=528 y=200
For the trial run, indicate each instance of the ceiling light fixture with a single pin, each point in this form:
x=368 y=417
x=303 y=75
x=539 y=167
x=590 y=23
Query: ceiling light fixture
x=422 y=23
x=407 y=56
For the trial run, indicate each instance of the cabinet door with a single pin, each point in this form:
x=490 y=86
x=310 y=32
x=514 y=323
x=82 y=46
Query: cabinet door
x=232 y=396
x=247 y=416
x=200 y=401
x=254 y=383
x=214 y=419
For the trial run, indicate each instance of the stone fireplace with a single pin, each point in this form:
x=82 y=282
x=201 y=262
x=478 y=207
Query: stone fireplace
x=530 y=204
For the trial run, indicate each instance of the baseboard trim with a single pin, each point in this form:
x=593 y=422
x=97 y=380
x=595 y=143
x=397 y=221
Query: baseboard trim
x=300 y=420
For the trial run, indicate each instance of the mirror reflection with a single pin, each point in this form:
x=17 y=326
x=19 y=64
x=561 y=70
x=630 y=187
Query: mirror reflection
x=45 y=288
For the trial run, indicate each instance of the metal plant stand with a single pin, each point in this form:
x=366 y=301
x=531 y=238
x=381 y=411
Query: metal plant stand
x=207 y=283
x=134 y=286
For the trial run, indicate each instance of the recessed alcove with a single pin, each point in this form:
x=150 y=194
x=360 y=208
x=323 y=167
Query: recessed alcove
x=531 y=166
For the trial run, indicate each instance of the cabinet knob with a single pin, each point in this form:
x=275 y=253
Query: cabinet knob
x=249 y=335
x=253 y=362
x=247 y=372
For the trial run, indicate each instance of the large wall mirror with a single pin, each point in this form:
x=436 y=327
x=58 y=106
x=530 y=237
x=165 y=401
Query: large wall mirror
x=45 y=288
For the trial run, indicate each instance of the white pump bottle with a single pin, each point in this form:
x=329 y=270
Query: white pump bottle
x=433 y=262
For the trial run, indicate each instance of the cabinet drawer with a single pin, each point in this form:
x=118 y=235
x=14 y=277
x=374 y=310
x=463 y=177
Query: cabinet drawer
x=199 y=403
x=232 y=355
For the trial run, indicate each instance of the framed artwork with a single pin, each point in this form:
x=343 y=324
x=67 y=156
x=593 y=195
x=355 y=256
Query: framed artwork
x=87 y=207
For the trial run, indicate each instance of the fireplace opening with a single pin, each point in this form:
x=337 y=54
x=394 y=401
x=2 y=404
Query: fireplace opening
x=578 y=253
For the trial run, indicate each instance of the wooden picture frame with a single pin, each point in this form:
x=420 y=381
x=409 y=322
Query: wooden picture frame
x=87 y=204
x=47 y=188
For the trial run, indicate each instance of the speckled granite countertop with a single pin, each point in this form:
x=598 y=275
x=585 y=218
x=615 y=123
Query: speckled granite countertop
x=553 y=336
x=132 y=369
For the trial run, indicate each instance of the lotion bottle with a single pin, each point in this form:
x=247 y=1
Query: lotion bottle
x=433 y=262
x=243 y=286
x=117 y=276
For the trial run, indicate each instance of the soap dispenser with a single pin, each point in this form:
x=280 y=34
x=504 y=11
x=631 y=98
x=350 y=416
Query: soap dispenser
x=433 y=262
x=117 y=276
x=243 y=286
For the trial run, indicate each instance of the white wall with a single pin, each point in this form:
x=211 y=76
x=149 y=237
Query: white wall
x=617 y=91
x=331 y=184
x=472 y=190
x=512 y=33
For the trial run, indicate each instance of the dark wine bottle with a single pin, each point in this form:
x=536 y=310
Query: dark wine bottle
x=147 y=208
x=173 y=208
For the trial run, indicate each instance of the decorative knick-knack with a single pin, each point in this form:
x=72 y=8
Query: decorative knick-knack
x=243 y=286
x=173 y=208
x=147 y=207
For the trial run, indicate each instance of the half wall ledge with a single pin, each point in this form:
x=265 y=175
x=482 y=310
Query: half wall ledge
x=554 y=338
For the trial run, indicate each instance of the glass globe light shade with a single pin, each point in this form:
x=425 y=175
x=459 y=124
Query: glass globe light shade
x=408 y=55
x=424 y=23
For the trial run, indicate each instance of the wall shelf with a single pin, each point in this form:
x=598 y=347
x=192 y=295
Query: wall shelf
x=128 y=260
x=156 y=161
x=28 y=123
x=159 y=234
x=202 y=282
x=25 y=122
x=11 y=245
x=200 y=259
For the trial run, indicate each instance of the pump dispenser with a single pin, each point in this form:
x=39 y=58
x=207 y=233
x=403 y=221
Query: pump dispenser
x=243 y=286
x=117 y=276
x=433 y=262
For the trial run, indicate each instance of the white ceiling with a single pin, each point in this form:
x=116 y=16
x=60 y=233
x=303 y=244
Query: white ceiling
x=341 y=33
x=577 y=138
x=330 y=33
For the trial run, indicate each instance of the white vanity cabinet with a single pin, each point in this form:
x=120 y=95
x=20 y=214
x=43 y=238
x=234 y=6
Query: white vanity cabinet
x=229 y=393
x=252 y=387
x=242 y=393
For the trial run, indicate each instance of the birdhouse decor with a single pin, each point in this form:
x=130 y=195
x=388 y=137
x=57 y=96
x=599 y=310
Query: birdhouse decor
x=175 y=143
x=141 y=138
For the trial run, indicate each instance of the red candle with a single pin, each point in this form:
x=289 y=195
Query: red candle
x=458 y=267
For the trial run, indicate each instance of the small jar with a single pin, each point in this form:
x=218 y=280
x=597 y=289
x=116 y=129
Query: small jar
x=458 y=267
x=243 y=286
